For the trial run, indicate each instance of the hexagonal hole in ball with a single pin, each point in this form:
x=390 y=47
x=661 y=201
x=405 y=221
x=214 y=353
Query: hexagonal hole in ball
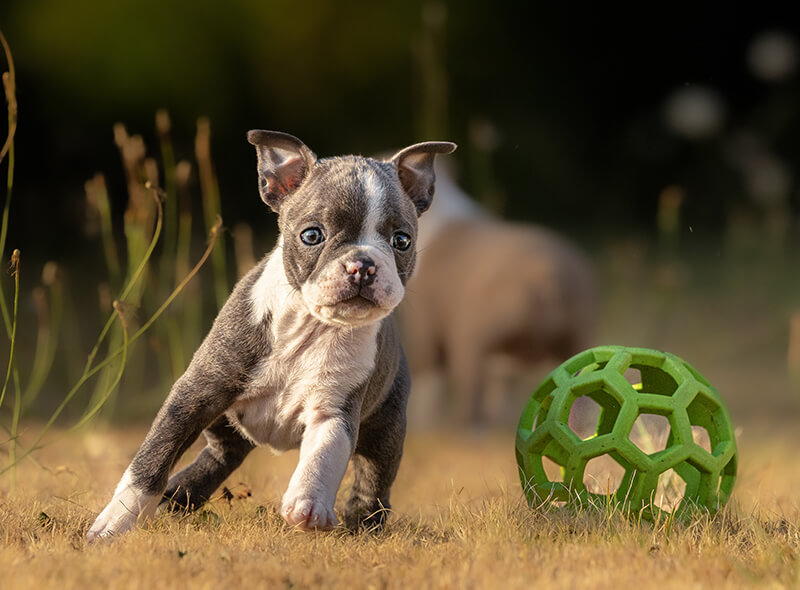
x=583 y=417
x=654 y=380
x=553 y=470
x=600 y=415
x=701 y=413
x=634 y=377
x=603 y=475
x=670 y=491
x=591 y=368
x=701 y=437
x=650 y=433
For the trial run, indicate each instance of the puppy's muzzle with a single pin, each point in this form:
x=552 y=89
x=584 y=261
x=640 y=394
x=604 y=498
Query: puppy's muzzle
x=361 y=270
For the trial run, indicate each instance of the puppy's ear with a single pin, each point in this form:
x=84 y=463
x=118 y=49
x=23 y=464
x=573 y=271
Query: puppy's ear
x=283 y=163
x=415 y=170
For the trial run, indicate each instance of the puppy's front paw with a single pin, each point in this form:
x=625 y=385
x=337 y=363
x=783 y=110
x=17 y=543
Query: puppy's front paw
x=114 y=520
x=308 y=513
x=126 y=507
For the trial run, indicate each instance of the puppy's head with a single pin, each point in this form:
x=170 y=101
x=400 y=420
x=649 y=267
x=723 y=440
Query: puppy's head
x=348 y=224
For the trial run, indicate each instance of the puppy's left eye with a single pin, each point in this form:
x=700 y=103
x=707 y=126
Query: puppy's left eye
x=400 y=241
x=312 y=236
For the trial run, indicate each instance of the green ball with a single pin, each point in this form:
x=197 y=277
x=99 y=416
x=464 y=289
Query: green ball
x=621 y=456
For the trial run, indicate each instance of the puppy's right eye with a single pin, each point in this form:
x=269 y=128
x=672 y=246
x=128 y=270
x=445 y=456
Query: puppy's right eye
x=312 y=236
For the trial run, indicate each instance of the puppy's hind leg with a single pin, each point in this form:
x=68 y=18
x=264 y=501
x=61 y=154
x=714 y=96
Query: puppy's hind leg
x=193 y=486
x=377 y=458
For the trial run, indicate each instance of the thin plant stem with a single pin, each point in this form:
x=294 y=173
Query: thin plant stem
x=191 y=313
x=174 y=360
x=211 y=205
x=98 y=186
x=10 y=97
x=118 y=308
x=15 y=421
x=15 y=271
x=15 y=439
x=41 y=354
x=15 y=260
x=9 y=85
x=50 y=318
x=171 y=202
x=214 y=234
x=136 y=275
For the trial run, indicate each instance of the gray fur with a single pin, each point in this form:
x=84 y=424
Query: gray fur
x=216 y=375
x=238 y=390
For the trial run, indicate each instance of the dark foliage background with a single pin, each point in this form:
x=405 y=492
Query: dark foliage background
x=558 y=108
x=664 y=139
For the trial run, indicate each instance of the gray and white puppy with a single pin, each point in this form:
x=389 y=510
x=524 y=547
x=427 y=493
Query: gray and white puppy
x=305 y=352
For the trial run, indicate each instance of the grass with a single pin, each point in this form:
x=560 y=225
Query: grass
x=459 y=521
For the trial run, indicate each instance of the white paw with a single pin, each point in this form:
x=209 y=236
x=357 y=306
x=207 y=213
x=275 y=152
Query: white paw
x=114 y=520
x=308 y=513
x=123 y=512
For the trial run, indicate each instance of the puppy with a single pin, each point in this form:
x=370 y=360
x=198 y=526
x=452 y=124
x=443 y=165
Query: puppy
x=486 y=288
x=305 y=352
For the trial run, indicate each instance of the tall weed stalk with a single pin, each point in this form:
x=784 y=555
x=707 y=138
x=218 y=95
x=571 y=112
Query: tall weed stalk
x=143 y=223
x=211 y=204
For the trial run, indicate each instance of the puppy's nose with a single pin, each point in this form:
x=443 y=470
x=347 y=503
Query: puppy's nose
x=362 y=270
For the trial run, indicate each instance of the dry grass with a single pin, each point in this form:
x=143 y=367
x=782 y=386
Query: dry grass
x=460 y=522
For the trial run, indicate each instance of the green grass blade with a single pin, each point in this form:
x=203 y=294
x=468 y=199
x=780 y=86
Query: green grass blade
x=214 y=234
x=211 y=206
x=50 y=311
x=9 y=85
x=104 y=397
x=15 y=271
x=135 y=277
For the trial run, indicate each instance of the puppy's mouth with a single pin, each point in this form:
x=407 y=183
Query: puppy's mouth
x=356 y=306
x=351 y=309
x=363 y=298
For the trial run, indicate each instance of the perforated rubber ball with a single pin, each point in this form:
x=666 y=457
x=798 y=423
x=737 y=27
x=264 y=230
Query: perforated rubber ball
x=637 y=427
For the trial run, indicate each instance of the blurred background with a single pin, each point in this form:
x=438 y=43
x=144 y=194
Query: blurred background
x=661 y=144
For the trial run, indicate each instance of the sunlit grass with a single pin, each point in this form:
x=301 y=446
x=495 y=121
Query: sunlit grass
x=459 y=520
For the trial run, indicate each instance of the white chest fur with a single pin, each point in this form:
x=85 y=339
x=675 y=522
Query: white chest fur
x=310 y=372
